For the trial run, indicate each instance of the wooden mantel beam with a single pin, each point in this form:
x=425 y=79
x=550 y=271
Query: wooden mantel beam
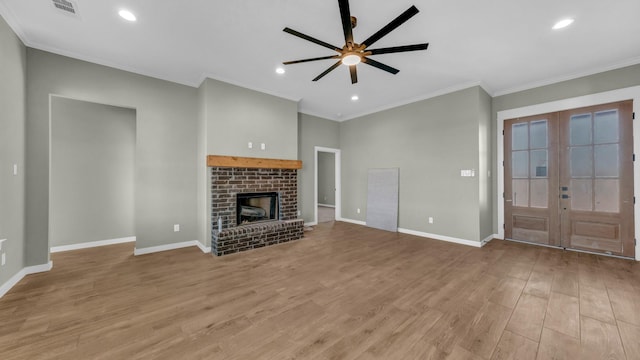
x=254 y=163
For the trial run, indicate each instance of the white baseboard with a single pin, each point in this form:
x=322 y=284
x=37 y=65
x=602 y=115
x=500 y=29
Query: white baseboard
x=311 y=223
x=488 y=239
x=55 y=249
x=441 y=237
x=357 y=222
x=174 y=246
x=327 y=205
x=431 y=236
x=204 y=249
x=21 y=274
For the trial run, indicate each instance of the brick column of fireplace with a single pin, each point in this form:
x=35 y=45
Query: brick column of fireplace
x=226 y=182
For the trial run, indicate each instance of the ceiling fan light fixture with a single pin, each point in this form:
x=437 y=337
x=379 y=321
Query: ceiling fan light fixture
x=127 y=15
x=562 y=24
x=351 y=59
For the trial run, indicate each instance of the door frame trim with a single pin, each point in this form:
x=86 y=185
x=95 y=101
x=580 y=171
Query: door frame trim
x=338 y=185
x=630 y=93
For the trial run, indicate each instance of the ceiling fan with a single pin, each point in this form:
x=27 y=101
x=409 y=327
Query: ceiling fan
x=353 y=53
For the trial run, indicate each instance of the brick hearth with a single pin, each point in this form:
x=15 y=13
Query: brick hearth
x=226 y=183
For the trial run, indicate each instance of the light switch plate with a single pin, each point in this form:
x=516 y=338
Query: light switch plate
x=15 y=169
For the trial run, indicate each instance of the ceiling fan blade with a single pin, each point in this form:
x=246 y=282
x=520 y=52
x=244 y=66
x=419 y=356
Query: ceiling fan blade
x=354 y=74
x=333 y=67
x=313 y=40
x=345 y=16
x=391 y=26
x=397 y=49
x=312 y=59
x=380 y=65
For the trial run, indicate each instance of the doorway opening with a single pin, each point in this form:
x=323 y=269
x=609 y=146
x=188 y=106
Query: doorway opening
x=92 y=174
x=327 y=190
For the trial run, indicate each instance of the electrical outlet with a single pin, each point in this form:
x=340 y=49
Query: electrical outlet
x=250 y=145
x=358 y=210
x=299 y=213
x=176 y=227
x=430 y=220
x=4 y=258
x=263 y=146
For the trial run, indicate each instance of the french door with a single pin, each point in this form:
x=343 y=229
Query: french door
x=569 y=179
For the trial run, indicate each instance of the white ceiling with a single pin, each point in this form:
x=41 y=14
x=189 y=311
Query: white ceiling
x=503 y=45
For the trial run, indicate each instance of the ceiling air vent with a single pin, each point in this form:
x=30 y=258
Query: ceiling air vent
x=69 y=7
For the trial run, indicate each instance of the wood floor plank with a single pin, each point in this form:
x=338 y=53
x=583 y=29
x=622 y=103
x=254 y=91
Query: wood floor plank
x=630 y=335
x=563 y=315
x=451 y=328
x=558 y=346
x=566 y=282
x=486 y=330
x=357 y=342
x=589 y=272
x=594 y=302
x=515 y=347
x=344 y=291
x=459 y=353
x=508 y=292
x=484 y=289
x=528 y=317
x=600 y=340
x=405 y=336
x=626 y=305
x=539 y=284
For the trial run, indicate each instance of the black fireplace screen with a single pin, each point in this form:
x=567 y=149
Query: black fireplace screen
x=252 y=207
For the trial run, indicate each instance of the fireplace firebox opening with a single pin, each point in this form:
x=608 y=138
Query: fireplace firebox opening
x=253 y=207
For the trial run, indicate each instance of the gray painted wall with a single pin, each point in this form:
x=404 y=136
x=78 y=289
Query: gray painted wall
x=236 y=116
x=326 y=178
x=600 y=82
x=313 y=131
x=430 y=141
x=12 y=150
x=93 y=148
x=229 y=117
x=166 y=146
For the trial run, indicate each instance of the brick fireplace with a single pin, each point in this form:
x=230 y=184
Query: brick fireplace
x=231 y=176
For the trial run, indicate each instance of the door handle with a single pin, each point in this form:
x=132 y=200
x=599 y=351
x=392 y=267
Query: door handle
x=564 y=188
x=564 y=196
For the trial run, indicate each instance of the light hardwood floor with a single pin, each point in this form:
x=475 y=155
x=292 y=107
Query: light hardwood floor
x=343 y=292
x=326 y=214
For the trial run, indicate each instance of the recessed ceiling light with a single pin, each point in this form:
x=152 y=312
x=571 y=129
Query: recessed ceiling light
x=562 y=24
x=127 y=15
x=354 y=98
x=280 y=70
